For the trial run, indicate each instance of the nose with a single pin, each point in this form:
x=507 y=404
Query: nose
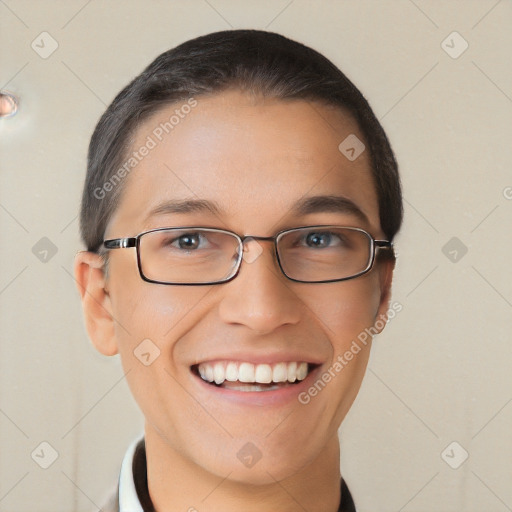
x=260 y=297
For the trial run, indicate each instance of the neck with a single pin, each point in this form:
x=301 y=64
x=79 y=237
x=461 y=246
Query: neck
x=176 y=483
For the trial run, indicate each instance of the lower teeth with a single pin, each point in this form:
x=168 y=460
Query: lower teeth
x=242 y=386
x=238 y=386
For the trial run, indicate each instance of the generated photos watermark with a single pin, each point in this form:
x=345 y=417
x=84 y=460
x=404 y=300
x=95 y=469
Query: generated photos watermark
x=157 y=135
x=344 y=359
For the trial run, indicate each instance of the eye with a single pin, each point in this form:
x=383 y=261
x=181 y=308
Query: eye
x=321 y=239
x=186 y=241
x=189 y=241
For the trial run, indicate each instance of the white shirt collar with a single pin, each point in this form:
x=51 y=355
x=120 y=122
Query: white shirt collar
x=128 y=499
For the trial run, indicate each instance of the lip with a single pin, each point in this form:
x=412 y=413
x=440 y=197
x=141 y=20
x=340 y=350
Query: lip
x=278 y=397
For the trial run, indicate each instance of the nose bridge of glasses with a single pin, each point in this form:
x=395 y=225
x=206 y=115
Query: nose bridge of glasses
x=252 y=255
x=251 y=237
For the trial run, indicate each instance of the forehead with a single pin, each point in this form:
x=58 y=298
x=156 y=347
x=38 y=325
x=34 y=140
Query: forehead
x=252 y=157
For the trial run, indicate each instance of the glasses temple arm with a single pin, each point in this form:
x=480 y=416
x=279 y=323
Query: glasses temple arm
x=383 y=244
x=119 y=243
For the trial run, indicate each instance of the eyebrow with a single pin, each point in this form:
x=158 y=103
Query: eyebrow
x=328 y=203
x=305 y=206
x=185 y=206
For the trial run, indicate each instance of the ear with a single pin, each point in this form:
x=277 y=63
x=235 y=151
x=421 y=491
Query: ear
x=385 y=269
x=97 y=306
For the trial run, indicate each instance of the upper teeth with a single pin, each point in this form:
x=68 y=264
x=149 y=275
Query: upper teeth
x=247 y=372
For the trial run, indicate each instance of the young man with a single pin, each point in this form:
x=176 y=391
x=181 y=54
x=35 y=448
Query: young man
x=238 y=212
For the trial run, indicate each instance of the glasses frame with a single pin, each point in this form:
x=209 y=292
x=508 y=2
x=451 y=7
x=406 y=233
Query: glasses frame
x=128 y=242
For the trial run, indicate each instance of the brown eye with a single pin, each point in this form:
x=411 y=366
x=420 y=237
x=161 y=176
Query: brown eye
x=189 y=241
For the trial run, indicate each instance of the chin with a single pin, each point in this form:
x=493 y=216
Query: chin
x=259 y=463
x=261 y=473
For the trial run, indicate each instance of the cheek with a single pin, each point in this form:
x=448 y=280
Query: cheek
x=148 y=319
x=147 y=310
x=346 y=309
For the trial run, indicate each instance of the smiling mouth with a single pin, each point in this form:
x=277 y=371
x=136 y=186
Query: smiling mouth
x=244 y=376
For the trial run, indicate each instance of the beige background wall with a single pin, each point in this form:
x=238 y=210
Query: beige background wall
x=441 y=371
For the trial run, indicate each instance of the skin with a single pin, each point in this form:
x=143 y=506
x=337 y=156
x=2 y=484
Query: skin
x=254 y=156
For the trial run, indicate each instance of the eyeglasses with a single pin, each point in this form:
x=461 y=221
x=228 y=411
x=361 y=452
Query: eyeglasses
x=201 y=256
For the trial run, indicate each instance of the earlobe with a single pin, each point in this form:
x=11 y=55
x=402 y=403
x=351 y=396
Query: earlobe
x=96 y=303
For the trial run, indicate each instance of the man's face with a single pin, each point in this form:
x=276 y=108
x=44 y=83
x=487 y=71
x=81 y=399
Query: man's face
x=254 y=158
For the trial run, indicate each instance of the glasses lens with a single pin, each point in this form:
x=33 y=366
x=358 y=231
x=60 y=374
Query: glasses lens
x=188 y=255
x=324 y=253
